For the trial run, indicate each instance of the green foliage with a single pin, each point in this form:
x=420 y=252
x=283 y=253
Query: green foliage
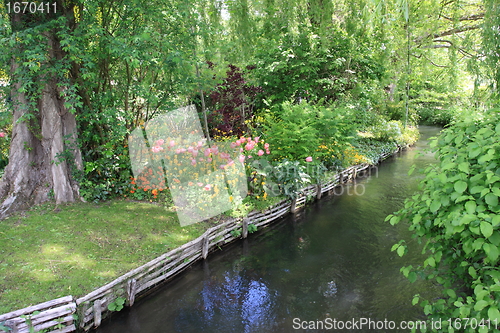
x=29 y=323
x=305 y=67
x=117 y=304
x=291 y=176
x=372 y=149
x=252 y=228
x=491 y=44
x=457 y=216
x=237 y=232
x=387 y=130
x=296 y=131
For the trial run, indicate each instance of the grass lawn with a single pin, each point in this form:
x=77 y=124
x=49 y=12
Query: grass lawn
x=53 y=251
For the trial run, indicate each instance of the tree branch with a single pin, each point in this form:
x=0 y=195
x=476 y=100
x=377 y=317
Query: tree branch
x=429 y=60
x=473 y=17
x=448 y=32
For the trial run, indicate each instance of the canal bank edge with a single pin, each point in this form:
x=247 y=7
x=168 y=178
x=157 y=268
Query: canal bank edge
x=70 y=314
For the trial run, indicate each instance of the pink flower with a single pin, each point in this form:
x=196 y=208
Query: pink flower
x=233 y=144
x=208 y=151
x=249 y=156
x=241 y=158
x=268 y=152
x=215 y=150
x=207 y=187
x=199 y=184
x=2 y=134
x=172 y=143
x=266 y=146
x=156 y=149
x=194 y=152
x=260 y=152
x=238 y=142
x=249 y=146
x=209 y=159
x=257 y=139
x=193 y=162
x=309 y=159
x=159 y=142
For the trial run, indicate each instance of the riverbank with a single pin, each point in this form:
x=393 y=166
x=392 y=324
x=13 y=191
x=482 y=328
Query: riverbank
x=56 y=256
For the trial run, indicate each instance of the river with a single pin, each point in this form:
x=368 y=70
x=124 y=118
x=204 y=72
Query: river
x=331 y=261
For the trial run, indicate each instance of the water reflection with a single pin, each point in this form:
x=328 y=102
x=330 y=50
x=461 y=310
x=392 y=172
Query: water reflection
x=332 y=260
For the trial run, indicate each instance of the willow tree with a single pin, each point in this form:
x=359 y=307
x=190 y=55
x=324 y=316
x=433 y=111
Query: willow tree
x=43 y=149
x=491 y=43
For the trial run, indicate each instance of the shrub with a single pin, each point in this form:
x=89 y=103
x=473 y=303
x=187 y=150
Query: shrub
x=457 y=216
x=233 y=100
x=297 y=131
x=387 y=130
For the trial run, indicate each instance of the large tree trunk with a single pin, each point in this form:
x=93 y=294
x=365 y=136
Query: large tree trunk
x=43 y=150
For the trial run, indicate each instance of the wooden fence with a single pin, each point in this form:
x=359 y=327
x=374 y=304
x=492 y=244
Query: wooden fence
x=58 y=315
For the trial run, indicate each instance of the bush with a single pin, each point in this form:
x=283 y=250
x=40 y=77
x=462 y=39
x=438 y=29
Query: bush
x=297 y=131
x=387 y=130
x=436 y=116
x=457 y=216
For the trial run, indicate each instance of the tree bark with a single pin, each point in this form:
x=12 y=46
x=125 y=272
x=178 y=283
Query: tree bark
x=43 y=149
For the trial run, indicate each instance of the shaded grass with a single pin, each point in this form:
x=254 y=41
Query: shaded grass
x=54 y=251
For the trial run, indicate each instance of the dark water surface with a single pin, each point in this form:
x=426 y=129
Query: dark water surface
x=332 y=260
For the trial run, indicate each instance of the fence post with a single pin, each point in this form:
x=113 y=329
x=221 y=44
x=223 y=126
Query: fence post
x=204 y=246
x=97 y=312
x=244 y=232
x=293 y=206
x=318 y=191
x=131 y=291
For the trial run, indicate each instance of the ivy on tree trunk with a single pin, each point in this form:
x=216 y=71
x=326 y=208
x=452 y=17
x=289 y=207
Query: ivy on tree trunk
x=43 y=151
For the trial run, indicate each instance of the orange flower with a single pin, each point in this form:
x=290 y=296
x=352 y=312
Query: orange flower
x=155 y=192
x=132 y=191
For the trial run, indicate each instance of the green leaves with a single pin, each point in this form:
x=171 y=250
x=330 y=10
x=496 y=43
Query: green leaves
x=486 y=229
x=460 y=186
x=492 y=200
x=457 y=215
x=435 y=205
x=117 y=304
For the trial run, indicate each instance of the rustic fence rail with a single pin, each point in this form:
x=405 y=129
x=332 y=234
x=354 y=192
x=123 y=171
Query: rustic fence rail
x=59 y=315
